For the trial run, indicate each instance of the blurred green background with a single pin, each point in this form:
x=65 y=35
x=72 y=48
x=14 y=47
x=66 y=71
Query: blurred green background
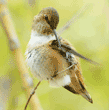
x=90 y=36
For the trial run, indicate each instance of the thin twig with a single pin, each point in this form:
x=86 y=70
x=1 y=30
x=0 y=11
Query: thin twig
x=74 y=18
x=31 y=95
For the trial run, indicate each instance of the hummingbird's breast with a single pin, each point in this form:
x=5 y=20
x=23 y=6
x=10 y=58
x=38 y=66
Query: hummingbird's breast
x=39 y=39
x=45 y=62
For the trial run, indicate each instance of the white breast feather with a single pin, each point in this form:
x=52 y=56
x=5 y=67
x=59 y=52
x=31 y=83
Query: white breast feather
x=65 y=80
x=39 y=39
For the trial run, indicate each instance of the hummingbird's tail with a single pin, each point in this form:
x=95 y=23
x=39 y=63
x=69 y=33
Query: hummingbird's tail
x=83 y=92
x=87 y=96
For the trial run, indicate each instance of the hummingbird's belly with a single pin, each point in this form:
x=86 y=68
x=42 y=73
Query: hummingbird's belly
x=45 y=62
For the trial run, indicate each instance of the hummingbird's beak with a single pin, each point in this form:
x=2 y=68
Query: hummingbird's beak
x=54 y=31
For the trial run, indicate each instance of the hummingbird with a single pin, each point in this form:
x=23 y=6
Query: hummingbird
x=53 y=58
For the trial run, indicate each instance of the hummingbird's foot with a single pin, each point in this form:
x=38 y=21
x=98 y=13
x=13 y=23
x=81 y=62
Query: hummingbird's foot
x=69 y=57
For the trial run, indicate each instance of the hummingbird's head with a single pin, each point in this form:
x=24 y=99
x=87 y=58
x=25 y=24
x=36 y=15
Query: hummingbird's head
x=46 y=21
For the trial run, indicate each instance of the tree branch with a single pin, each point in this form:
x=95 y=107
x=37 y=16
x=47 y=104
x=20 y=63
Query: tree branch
x=16 y=51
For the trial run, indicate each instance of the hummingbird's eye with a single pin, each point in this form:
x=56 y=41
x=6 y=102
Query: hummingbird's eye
x=46 y=17
x=47 y=20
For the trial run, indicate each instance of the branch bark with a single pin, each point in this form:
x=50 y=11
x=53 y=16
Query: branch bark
x=16 y=51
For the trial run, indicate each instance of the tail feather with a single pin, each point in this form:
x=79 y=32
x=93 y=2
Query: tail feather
x=70 y=89
x=83 y=92
x=87 y=96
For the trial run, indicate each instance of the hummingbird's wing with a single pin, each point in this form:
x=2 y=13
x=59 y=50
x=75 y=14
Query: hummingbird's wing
x=66 y=45
x=77 y=85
